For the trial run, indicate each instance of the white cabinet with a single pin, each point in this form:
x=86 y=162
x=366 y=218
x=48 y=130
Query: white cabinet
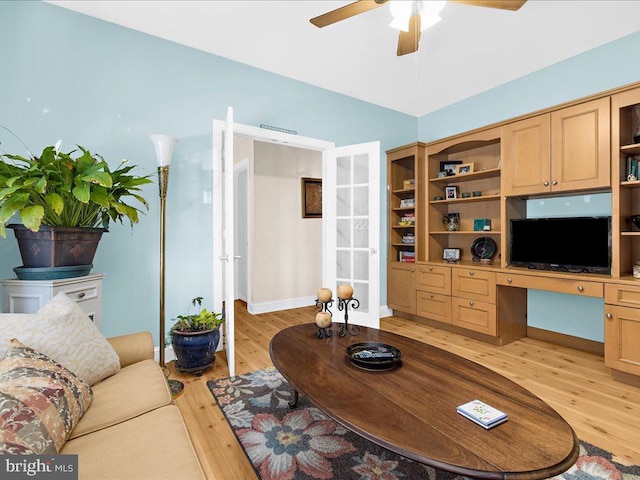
x=27 y=296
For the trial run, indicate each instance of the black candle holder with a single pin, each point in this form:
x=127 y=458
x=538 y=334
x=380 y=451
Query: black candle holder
x=343 y=304
x=324 y=307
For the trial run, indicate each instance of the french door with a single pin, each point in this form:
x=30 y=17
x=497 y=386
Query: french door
x=350 y=223
x=223 y=223
x=351 y=213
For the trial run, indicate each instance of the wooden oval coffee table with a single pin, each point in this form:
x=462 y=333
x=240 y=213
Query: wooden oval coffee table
x=411 y=409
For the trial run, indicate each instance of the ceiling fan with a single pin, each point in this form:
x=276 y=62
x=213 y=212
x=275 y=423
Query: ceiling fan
x=410 y=17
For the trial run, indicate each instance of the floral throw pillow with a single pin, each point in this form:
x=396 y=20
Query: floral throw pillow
x=40 y=402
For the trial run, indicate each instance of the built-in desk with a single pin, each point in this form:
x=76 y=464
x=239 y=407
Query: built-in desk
x=490 y=303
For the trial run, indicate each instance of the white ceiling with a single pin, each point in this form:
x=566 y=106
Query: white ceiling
x=471 y=50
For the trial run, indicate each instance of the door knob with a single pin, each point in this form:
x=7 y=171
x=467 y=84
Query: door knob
x=580 y=288
x=554 y=182
x=609 y=316
x=546 y=184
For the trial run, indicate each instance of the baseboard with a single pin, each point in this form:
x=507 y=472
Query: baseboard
x=168 y=354
x=578 y=343
x=276 y=305
x=385 y=311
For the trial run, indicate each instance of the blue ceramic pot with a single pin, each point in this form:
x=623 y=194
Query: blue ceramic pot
x=195 y=352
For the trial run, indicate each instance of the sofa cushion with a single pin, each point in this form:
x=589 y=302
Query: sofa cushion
x=40 y=402
x=62 y=331
x=136 y=389
x=153 y=446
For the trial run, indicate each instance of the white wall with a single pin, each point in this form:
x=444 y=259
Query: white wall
x=285 y=249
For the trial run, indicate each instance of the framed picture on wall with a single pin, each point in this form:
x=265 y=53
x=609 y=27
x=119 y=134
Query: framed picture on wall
x=311 y=198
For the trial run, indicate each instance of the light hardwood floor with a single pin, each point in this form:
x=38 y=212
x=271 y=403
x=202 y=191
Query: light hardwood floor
x=577 y=384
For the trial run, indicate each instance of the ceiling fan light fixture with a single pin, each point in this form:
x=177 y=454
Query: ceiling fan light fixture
x=429 y=11
x=401 y=11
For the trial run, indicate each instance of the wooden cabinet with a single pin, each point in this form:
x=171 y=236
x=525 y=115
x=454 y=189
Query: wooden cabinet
x=434 y=278
x=434 y=306
x=27 y=296
x=580 y=139
x=476 y=194
x=625 y=192
x=401 y=292
x=562 y=151
x=403 y=170
x=474 y=300
x=622 y=328
x=526 y=156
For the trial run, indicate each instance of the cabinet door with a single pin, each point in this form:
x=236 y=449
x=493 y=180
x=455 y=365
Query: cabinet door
x=430 y=278
x=474 y=315
x=401 y=292
x=580 y=146
x=434 y=306
x=526 y=156
x=621 y=339
x=473 y=284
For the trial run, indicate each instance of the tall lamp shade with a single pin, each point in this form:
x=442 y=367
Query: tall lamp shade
x=164 y=150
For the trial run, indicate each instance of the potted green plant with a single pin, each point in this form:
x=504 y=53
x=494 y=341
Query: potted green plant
x=61 y=197
x=195 y=338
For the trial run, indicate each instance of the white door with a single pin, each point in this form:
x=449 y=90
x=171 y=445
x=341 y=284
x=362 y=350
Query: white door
x=240 y=203
x=351 y=228
x=224 y=255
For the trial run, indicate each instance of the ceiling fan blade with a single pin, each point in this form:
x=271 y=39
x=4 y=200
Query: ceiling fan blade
x=350 y=10
x=408 y=41
x=502 y=4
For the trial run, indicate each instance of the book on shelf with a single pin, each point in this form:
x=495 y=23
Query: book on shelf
x=484 y=415
x=408 y=203
x=409 y=257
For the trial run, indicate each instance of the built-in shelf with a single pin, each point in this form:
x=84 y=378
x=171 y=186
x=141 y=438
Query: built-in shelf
x=630 y=234
x=403 y=244
x=403 y=191
x=465 y=177
x=466 y=232
x=633 y=149
x=403 y=226
x=482 y=198
x=403 y=209
x=627 y=184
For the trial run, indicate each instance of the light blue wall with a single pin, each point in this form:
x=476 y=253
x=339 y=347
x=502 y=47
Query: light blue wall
x=601 y=69
x=71 y=77
x=568 y=314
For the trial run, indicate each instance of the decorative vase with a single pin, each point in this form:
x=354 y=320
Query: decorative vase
x=195 y=351
x=452 y=221
x=52 y=247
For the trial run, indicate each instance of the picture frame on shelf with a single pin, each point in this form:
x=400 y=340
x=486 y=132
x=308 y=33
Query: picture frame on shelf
x=451 y=192
x=449 y=167
x=464 y=168
x=451 y=255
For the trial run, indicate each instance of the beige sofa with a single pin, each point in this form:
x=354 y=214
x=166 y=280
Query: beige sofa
x=127 y=429
x=132 y=430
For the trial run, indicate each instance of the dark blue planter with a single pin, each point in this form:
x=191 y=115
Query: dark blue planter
x=195 y=352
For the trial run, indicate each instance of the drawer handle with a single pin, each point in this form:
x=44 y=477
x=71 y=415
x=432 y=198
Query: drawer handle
x=609 y=316
x=555 y=182
x=430 y=268
x=471 y=303
x=580 y=288
x=413 y=269
x=431 y=295
x=546 y=184
x=471 y=272
x=509 y=280
x=81 y=295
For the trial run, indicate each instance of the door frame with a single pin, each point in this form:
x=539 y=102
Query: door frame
x=260 y=134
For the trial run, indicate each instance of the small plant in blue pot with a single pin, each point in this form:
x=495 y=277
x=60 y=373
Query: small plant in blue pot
x=195 y=339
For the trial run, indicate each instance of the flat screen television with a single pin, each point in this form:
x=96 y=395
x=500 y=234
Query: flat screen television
x=573 y=244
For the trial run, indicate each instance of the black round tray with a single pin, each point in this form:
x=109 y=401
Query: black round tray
x=374 y=356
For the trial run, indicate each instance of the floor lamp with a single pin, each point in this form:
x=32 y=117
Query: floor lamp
x=164 y=149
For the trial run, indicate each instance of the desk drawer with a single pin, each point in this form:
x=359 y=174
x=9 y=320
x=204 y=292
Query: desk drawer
x=435 y=279
x=560 y=285
x=434 y=306
x=474 y=315
x=473 y=284
x=80 y=293
x=625 y=295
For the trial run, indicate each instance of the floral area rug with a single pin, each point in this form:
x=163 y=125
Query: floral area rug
x=303 y=443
